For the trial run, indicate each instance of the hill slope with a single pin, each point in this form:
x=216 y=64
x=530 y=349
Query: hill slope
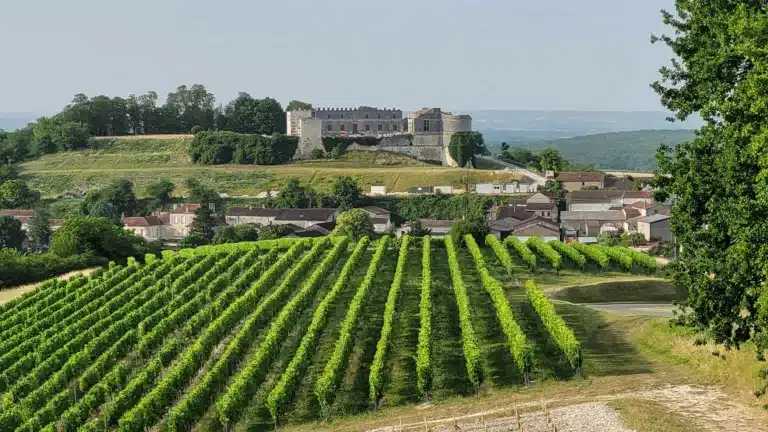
x=632 y=151
x=144 y=159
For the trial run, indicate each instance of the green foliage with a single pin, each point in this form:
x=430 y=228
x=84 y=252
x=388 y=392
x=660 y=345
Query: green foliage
x=51 y=135
x=254 y=116
x=574 y=256
x=199 y=193
x=11 y=234
x=464 y=146
x=283 y=392
x=438 y=206
x=298 y=105
x=522 y=250
x=294 y=195
x=376 y=377
x=618 y=255
x=470 y=347
x=99 y=236
x=500 y=251
x=161 y=191
x=345 y=192
x=354 y=224
x=424 y=347
x=104 y=209
x=557 y=328
x=195 y=129
x=203 y=224
x=339 y=144
x=317 y=154
x=16 y=194
x=235 y=234
x=40 y=227
x=518 y=344
x=417 y=229
x=215 y=148
x=545 y=251
x=592 y=253
x=119 y=194
x=476 y=226
x=550 y=160
x=328 y=382
x=555 y=187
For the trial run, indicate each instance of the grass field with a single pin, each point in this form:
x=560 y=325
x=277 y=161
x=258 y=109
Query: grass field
x=146 y=158
x=204 y=339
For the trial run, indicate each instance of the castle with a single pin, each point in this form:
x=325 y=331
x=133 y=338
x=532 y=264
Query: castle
x=424 y=134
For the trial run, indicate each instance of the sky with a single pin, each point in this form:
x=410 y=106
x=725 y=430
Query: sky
x=453 y=54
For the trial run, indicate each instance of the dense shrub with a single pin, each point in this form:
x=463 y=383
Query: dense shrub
x=18 y=269
x=214 y=148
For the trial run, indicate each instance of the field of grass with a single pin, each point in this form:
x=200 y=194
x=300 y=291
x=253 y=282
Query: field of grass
x=202 y=340
x=144 y=159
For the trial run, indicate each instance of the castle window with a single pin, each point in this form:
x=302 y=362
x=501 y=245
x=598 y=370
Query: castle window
x=330 y=127
x=366 y=116
x=381 y=127
x=342 y=116
x=342 y=128
x=426 y=126
x=394 y=116
x=329 y=116
x=379 y=115
x=394 y=127
x=367 y=127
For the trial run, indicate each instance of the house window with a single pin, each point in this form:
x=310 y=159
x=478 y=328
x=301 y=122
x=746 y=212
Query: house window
x=367 y=127
x=329 y=127
x=341 y=128
x=394 y=127
x=426 y=126
x=381 y=127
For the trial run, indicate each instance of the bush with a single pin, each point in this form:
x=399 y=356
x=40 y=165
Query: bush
x=18 y=269
x=98 y=236
x=317 y=154
x=214 y=148
x=195 y=129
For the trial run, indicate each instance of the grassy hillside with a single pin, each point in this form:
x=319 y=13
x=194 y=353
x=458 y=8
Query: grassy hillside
x=145 y=159
x=632 y=151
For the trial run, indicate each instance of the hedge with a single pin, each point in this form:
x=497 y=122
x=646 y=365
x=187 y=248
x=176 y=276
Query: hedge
x=215 y=148
x=17 y=269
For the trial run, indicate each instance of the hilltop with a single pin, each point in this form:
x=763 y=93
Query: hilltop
x=631 y=151
x=143 y=159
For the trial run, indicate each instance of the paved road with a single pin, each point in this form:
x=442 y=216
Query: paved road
x=651 y=309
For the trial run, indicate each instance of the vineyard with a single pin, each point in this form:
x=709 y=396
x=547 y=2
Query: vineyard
x=253 y=335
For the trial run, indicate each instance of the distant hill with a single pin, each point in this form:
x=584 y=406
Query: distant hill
x=625 y=151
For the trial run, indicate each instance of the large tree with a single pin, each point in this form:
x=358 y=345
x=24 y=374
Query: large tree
x=16 y=194
x=294 y=195
x=40 y=227
x=354 y=224
x=345 y=192
x=719 y=180
x=11 y=234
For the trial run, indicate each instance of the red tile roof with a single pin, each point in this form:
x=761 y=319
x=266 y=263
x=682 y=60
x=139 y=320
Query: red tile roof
x=186 y=209
x=142 y=221
x=17 y=212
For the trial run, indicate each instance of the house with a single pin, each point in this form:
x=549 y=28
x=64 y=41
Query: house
x=574 y=181
x=649 y=209
x=421 y=190
x=304 y=218
x=317 y=230
x=380 y=218
x=538 y=204
x=619 y=183
x=537 y=226
x=604 y=200
x=251 y=215
x=438 y=228
x=592 y=223
x=378 y=189
x=148 y=227
x=180 y=219
x=655 y=227
x=516 y=187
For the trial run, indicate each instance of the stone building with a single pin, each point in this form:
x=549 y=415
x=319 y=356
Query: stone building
x=424 y=135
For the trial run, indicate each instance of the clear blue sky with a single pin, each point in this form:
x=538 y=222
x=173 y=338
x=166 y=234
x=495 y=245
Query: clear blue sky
x=456 y=54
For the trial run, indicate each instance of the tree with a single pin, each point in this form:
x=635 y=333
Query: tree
x=16 y=194
x=272 y=231
x=161 y=191
x=11 y=234
x=50 y=135
x=193 y=240
x=354 y=224
x=100 y=236
x=40 y=227
x=8 y=172
x=476 y=225
x=256 y=116
x=203 y=224
x=550 y=160
x=104 y=209
x=719 y=179
x=204 y=195
x=295 y=105
x=465 y=145
x=345 y=192
x=121 y=195
x=246 y=233
x=294 y=195
x=417 y=229
x=555 y=187
x=504 y=146
x=235 y=234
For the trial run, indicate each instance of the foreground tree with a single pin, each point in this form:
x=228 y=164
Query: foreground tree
x=719 y=180
x=204 y=224
x=354 y=224
x=40 y=227
x=11 y=234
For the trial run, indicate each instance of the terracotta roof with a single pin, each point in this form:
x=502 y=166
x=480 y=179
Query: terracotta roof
x=164 y=216
x=314 y=214
x=186 y=208
x=253 y=211
x=142 y=221
x=17 y=212
x=377 y=211
x=590 y=176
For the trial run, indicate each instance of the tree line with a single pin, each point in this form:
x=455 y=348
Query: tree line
x=185 y=110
